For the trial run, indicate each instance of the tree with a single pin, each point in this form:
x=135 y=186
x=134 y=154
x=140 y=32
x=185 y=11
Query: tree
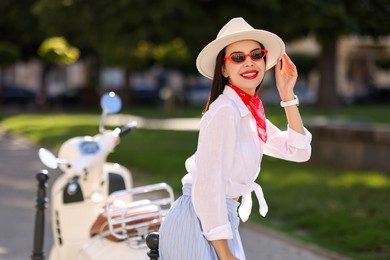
x=19 y=26
x=102 y=25
x=8 y=55
x=327 y=21
x=54 y=50
x=127 y=34
x=19 y=34
x=126 y=23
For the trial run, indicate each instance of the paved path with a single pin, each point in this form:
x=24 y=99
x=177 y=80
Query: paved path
x=19 y=164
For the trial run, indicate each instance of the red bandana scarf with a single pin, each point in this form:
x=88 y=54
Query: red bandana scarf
x=257 y=110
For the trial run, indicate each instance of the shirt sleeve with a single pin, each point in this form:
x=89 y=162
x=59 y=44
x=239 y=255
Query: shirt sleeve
x=288 y=145
x=214 y=157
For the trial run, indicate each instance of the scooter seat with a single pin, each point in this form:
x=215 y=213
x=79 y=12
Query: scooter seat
x=131 y=221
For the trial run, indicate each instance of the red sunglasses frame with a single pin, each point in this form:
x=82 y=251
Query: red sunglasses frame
x=246 y=55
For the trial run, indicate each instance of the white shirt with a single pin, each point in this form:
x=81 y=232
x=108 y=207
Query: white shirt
x=227 y=161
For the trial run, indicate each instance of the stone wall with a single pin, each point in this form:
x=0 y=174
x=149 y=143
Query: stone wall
x=351 y=145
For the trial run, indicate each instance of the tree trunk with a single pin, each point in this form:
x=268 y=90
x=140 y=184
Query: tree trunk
x=128 y=97
x=2 y=98
x=327 y=91
x=89 y=94
x=41 y=99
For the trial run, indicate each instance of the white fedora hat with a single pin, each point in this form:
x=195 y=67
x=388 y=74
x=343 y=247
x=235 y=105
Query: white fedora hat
x=238 y=29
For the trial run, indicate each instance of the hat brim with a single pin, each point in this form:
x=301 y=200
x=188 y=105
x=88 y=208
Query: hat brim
x=206 y=59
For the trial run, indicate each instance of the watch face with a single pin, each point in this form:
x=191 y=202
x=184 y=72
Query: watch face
x=89 y=147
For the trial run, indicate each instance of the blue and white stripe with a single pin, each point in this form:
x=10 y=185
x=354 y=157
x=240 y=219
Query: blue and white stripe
x=181 y=235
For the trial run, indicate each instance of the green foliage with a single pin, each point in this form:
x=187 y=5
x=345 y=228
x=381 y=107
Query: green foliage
x=19 y=27
x=328 y=20
x=383 y=63
x=171 y=54
x=58 y=51
x=101 y=24
x=116 y=30
x=110 y=29
x=9 y=53
x=304 y=62
x=136 y=58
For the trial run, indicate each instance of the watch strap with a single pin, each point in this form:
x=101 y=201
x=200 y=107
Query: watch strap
x=293 y=102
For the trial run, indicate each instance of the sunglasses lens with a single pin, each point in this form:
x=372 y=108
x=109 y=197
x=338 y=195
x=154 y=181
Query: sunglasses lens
x=257 y=55
x=238 y=57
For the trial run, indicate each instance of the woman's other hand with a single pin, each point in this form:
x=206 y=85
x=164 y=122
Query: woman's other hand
x=222 y=249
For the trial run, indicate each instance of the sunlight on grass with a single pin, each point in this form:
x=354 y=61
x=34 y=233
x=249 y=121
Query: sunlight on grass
x=344 y=179
x=41 y=121
x=293 y=178
x=370 y=179
x=27 y=123
x=48 y=129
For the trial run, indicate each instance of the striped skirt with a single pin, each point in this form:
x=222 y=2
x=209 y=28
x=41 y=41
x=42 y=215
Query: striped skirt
x=181 y=235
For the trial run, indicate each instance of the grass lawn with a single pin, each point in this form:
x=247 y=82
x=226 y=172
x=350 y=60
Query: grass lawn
x=345 y=211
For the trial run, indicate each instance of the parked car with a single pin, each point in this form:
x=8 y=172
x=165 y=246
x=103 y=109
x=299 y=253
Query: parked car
x=198 y=91
x=18 y=95
x=374 y=94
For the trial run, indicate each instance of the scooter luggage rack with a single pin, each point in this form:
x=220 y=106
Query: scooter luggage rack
x=137 y=218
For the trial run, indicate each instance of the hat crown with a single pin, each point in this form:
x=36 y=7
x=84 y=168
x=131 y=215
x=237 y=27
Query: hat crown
x=235 y=25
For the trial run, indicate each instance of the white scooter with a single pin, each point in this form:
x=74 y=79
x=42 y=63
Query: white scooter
x=96 y=212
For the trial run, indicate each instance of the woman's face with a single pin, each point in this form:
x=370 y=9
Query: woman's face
x=246 y=75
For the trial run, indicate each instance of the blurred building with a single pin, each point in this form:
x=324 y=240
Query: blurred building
x=363 y=67
x=22 y=81
x=363 y=72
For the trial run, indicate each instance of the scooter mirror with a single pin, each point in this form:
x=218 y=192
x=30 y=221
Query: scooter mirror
x=47 y=158
x=111 y=103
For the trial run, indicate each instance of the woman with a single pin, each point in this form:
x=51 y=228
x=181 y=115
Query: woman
x=233 y=136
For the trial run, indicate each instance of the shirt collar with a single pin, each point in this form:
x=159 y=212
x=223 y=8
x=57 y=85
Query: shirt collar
x=229 y=92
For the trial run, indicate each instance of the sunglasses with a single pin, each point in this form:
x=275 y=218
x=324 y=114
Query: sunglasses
x=239 y=57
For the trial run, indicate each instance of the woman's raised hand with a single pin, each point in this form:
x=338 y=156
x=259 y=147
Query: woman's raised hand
x=286 y=75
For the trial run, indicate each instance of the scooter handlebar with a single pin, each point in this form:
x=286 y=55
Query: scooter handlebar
x=127 y=128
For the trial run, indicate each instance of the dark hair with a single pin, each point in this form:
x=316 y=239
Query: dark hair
x=219 y=81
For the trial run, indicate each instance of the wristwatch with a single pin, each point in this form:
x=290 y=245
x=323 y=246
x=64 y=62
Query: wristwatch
x=293 y=102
